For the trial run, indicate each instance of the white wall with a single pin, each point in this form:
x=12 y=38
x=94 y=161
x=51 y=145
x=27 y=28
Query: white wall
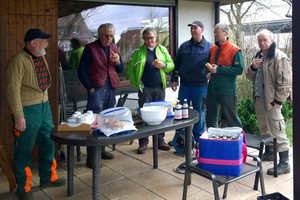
x=190 y=11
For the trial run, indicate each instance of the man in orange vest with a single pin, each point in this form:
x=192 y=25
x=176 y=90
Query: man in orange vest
x=227 y=62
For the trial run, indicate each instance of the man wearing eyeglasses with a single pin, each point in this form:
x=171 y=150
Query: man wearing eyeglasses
x=147 y=72
x=98 y=68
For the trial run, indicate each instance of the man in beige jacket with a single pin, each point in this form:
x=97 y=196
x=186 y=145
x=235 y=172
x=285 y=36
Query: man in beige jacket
x=271 y=73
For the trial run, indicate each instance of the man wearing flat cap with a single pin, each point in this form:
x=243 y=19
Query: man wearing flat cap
x=29 y=78
x=190 y=63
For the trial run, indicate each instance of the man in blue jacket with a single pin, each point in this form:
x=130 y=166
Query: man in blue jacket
x=190 y=63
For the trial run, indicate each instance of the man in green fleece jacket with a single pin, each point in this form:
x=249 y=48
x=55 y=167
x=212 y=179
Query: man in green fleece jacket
x=76 y=53
x=27 y=94
x=147 y=72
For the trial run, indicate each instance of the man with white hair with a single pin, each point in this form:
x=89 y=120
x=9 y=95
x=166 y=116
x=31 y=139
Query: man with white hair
x=29 y=78
x=98 y=68
x=271 y=73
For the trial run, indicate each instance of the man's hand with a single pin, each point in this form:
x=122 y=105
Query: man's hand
x=91 y=90
x=174 y=86
x=213 y=69
x=208 y=75
x=20 y=124
x=277 y=105
x=158 y=64
x=115 y=58
x=257 y=62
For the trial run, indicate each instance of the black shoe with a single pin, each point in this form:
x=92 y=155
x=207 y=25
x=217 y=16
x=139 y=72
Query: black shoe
x=180 y=169
x=106 y=155
x=163 y=146
x=268 y=155
x=283 y=167
x=170 y=143
x=141 y=149
x=26 y=196
x=89 y=165
x=57 y=183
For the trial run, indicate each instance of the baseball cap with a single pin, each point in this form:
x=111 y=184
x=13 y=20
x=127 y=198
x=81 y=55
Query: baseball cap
x=34 y=33
x=196 y=23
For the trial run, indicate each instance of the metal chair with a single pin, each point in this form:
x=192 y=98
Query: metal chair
x=217 y=181
x=258 y=142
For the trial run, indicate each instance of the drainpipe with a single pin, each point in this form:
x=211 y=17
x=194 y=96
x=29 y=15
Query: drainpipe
x=217 y=12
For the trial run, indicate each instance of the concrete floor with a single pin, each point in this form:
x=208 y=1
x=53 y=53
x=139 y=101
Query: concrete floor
x=130 y=176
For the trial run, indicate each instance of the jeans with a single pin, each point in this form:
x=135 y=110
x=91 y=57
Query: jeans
x=196 y=95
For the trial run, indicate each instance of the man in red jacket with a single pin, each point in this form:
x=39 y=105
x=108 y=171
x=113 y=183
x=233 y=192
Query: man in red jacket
x=98 y=68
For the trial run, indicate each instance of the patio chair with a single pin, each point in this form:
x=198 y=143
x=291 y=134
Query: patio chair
x=258 y=142
x=217 y=181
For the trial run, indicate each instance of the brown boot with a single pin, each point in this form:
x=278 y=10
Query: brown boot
x=142 y=149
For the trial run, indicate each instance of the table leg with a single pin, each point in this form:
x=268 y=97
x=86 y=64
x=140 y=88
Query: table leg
x=70 y=168
x=96 y=172
x=188 y=151
x=155 y=150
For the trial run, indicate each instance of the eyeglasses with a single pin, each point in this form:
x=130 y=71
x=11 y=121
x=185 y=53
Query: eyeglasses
x=218 y=32
x=108 y=36
x=148 y=38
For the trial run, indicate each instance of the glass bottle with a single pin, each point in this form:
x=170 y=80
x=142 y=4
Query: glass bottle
x=178 y=110
x=185 y=109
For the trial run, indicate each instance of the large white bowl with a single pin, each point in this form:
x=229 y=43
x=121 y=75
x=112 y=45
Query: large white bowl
x=154 y=115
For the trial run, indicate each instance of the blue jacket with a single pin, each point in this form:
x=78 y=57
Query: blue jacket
x=190 y=63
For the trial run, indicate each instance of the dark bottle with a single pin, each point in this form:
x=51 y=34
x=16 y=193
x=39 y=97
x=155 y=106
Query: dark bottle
x=185 y=109
x=178 y=110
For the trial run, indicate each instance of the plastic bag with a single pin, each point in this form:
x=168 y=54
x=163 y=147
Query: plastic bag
x=115 y=120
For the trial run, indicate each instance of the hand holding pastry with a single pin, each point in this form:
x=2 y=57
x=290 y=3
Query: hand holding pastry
x=208 y=66
x=158 y=64
x=212 y=68
x=114 y=57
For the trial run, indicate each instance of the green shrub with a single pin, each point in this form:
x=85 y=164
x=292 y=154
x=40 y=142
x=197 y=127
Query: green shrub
x=247 y=115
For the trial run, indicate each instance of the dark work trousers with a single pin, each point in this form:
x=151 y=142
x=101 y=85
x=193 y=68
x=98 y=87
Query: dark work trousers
x=38 y=129
x=228 y=104
x=103 y=98
x=151 y=94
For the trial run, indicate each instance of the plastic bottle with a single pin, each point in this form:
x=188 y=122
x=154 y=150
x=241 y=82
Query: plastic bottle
x=185 y=109
x=178 y=110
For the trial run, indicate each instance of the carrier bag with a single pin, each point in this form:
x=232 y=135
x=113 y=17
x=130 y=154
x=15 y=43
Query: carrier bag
x=222 y=154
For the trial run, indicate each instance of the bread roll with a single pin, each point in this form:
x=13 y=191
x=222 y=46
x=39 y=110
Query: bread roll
x=208 y=66
x=155 y=62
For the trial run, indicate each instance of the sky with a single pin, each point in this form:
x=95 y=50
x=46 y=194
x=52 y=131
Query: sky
x=276 y=10
x=124 y=16
x=121 y=16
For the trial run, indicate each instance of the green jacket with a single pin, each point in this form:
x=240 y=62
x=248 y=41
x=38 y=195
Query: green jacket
x=137 y=64
x=23 y=88
x=75 y=57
